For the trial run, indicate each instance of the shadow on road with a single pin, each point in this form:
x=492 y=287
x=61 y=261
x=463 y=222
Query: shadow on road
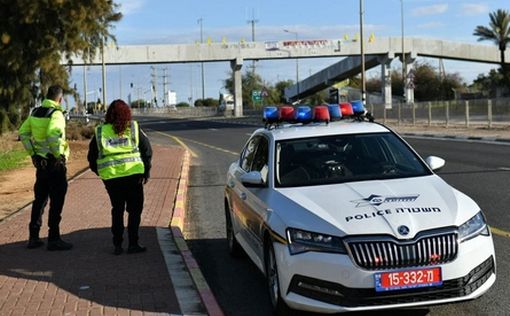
x=91 y=272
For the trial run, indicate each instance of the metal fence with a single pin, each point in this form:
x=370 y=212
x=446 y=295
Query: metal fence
x=488 y=112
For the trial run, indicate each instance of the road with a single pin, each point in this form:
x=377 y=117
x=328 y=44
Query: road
x=480 y=170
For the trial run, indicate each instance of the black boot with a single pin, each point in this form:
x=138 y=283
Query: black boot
x=136 y=248
x=59 y=244
x=34 y=241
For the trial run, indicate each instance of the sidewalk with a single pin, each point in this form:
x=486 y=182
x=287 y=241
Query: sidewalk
x=89 y=279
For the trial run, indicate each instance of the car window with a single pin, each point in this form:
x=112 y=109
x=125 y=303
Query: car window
x=249 y=153
x=261 y=156
x=344 y=158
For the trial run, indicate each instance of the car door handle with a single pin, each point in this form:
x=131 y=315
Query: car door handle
x=242 y=195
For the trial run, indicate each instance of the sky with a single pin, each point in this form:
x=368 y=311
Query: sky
x=177 y=22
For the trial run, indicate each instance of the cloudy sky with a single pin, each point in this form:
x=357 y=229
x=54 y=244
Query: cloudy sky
x=175 y=22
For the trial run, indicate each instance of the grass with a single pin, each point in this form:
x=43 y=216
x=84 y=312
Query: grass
x=13 y=158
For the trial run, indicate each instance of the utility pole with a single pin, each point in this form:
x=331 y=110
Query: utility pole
x=103 y=67
x=363 y=80
x=404 y=63
x=252 y=22
x=202 y=64
x=297 y=63
x=154 y=83
x=85 y=86
x=165 y=83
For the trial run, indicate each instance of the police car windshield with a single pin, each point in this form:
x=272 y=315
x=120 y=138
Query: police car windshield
x=344 y=158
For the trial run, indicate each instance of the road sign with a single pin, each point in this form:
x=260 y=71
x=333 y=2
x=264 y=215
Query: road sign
x=256 y=95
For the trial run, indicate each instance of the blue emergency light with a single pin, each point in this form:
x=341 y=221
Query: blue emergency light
x=334 y=112
x=303 y=114
x=271 y=114
x=357 y=107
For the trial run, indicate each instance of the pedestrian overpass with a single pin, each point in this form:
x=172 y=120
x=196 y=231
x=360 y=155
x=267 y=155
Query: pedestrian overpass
x=381 y=51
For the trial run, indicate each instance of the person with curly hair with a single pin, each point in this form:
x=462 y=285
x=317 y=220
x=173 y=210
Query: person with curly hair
x=120 y=154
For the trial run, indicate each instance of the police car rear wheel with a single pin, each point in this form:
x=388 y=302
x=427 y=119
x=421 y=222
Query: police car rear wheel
x=233 y=246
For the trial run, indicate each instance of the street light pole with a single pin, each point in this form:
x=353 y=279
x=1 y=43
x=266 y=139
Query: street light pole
x=297 y=64
x=202 y=64
x=103 y=68
x=404 y=64
x=363 y=81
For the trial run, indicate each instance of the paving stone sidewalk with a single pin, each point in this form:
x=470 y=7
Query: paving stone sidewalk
x=89 y=279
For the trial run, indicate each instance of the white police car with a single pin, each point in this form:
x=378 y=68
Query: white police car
x=345 y=216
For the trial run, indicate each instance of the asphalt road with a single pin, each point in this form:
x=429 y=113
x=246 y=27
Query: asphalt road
x=480 y=170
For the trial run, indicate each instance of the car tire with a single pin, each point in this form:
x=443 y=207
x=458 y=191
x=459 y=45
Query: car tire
x=280 y=308
x=234 y=248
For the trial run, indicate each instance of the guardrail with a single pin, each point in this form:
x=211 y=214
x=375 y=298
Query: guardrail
x=487 y=112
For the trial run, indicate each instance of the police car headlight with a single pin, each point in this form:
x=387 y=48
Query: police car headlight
x=300 y=241
x=473 y=227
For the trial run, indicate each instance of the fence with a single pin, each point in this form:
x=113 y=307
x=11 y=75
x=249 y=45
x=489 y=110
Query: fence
x=488 y=112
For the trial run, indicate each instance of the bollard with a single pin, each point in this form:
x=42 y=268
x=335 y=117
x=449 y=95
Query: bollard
x=430 y=112
x=489 y=112
x=467 y=112
x=399 y=109
x=447 y=113
x=414 y=113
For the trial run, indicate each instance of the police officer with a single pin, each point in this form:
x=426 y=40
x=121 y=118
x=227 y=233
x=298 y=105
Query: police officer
x=120 y=154
x=44 y=138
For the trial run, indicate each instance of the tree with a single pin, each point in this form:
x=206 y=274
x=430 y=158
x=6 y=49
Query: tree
x=35 y=37
x=497 y=32
x=250 y=82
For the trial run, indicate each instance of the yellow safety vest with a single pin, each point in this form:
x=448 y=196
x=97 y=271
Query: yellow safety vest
x=44 y=131
x=119 y=156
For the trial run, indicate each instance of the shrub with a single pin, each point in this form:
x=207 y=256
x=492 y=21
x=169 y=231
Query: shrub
x=182 y=105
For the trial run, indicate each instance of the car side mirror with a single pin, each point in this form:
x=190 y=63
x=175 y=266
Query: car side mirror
x=435 y=163
x=252 y=179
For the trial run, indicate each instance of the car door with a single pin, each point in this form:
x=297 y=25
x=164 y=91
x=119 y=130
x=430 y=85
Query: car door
x=238 y=192
x=255 y=205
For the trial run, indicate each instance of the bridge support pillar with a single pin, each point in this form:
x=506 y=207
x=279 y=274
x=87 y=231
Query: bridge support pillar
x=236 y=66
x=386 y=79
x=409 y=84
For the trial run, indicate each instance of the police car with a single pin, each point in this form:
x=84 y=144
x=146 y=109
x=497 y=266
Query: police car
x=341 y=214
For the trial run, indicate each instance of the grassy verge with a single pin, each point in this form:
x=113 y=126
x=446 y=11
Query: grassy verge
x=13 y=155
x=13 y=159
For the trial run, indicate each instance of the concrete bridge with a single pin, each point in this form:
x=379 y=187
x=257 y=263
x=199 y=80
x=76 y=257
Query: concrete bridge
x=385 y=49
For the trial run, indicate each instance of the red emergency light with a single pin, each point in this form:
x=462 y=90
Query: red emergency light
x=287 y=113
x=346 y=109
x=321 y=113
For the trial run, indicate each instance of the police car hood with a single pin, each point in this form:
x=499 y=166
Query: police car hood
x=378 y=207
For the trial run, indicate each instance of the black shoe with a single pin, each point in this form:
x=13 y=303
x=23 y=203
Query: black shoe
x=59 y=244
x=118 y=250
x=136 y=249
x=34 y=243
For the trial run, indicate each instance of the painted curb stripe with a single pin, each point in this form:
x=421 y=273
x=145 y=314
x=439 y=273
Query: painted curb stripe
x=177 y=227
x=500 y=232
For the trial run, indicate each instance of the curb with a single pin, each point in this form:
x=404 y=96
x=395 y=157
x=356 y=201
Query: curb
x=177 y=226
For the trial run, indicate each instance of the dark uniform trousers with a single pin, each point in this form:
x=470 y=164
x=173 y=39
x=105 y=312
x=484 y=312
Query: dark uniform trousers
x=51 y=182
x=126 y=193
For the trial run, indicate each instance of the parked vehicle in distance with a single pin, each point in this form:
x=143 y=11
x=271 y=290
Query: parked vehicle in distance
x=345 y=216
x=226 y=102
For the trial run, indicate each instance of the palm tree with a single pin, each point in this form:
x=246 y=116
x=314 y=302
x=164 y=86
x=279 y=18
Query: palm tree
x=497 y=32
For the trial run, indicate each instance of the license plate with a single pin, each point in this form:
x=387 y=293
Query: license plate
x=407 y=279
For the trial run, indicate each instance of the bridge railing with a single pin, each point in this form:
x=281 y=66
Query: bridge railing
x=487 y=112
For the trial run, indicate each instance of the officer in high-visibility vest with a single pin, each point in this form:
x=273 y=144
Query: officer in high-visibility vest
x=44 y=138
x=120 y=154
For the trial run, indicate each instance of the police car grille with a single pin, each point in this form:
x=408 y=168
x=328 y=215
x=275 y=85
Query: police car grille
x=385 y=254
